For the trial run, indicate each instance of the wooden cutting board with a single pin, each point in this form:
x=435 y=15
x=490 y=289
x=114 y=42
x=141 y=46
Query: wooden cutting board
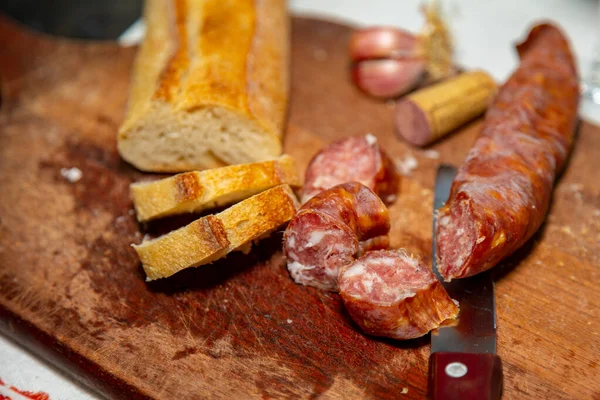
x=72 y=290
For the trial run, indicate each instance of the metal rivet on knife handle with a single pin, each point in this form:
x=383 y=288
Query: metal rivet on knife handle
x=456 y=369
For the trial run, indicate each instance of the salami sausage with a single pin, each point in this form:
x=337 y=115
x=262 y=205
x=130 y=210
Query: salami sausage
x=357 y=158
x=390 y=293
x=501 y=193
x=330 y=230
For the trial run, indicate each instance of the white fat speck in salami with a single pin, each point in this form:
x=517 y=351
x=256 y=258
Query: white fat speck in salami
x=391 y=293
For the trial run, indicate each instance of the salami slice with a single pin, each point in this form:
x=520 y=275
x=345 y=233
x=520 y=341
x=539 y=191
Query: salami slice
x=390 y=293
x=317 y=246
x=358 y=158
x=501 y=193
x=357 y=206
x=330 y=230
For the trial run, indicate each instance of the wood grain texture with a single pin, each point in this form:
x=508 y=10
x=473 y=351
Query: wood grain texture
x=71 y=287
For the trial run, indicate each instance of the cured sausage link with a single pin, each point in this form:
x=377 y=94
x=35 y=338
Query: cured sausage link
x=501 y=193
x=330 y=230
x=391 y=293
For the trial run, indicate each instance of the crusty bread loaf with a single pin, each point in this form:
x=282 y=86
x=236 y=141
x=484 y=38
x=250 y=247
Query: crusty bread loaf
x=214 y=236
x=209 y=86
x=201 y=190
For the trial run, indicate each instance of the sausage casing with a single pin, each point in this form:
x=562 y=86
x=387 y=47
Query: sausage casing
x=501 y=193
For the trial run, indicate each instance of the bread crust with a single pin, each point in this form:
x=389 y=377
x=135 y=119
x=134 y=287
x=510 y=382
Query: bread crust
x=201 y=61
x=201 y=190
x=214 y=236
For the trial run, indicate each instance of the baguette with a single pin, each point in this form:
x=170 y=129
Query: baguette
x=209 y=86
x=201 y=190
x=214 y=236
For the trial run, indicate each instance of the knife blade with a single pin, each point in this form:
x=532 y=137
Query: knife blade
x=463 y=364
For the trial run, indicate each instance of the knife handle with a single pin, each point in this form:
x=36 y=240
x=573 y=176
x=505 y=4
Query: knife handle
x=465 y=376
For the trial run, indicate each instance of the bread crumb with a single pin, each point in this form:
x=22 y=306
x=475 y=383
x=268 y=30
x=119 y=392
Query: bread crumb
x=407 y=164
x=289 y=321
x=404 y=391
x=576 y=189
x=566 y=229
x=433 y=154
x=371 y=139
x=73 y=174
x=320 y=54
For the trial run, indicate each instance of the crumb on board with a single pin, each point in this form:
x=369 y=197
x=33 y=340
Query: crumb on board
x=404 y=390
x=575 y=187
x=566 y=229
x=432 y=154
x=320 y=54
x=371 y=139
x=289 y=321
x=407 y=164
x=72 y=174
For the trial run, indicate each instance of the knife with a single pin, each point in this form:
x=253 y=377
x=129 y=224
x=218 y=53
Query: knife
x=463 y=363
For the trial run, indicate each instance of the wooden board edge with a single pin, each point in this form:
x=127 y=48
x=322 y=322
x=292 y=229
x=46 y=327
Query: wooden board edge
x=68 y=362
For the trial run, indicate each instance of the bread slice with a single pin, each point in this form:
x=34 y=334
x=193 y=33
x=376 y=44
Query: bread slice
x=202 y=190
x=214 y=236
x=209 y=86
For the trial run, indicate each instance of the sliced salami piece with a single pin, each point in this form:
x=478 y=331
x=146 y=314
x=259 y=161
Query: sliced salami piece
x=358 y=158
x=356 y=205
x=317 y=246
x=330 y=230
x=391 y=293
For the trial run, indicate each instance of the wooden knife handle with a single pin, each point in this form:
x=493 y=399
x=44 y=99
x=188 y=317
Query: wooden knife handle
x=465 y=376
